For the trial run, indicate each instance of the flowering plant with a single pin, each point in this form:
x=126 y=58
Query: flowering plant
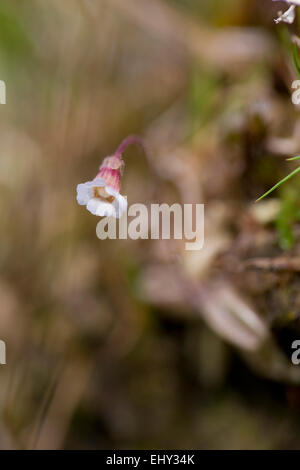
x=101 y=196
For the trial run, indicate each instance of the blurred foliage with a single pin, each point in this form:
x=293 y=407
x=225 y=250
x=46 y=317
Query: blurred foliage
x=134 y=344
x=289 y=214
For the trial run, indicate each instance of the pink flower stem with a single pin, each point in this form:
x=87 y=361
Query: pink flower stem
x=131 y=139
x=135 y=139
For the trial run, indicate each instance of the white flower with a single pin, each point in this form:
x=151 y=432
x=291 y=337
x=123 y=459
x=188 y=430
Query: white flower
x=102 y=195
x=290 y=2
x=287 y=17
x=101 y=199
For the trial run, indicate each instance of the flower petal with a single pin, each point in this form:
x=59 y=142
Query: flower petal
x=98 y=182
x=287 y=17
x=120 y=205
x=291 y=2
x=101 y=208
x=84 y=193
x=111 y=191
x=85 y=190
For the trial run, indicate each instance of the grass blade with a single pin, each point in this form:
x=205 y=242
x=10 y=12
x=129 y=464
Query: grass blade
x=293 y=158
x=296 y=58
x=279 y=183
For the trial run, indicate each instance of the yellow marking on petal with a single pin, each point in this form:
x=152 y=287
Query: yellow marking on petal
x=100 y=193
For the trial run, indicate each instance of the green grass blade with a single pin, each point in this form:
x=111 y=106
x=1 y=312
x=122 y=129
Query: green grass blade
x=296 y=58
x=293 y=158
x=279 y=183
